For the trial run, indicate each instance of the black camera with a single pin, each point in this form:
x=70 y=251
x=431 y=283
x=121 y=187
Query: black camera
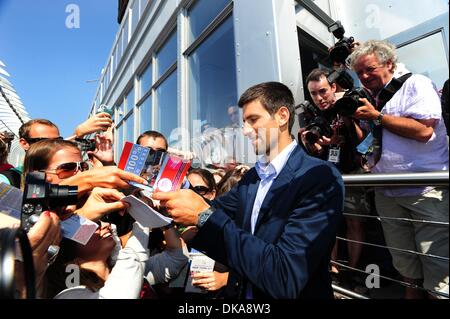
x=343 y=48
x=40 y=196
x=316 y=122
x=349 y=103
x=85 y=144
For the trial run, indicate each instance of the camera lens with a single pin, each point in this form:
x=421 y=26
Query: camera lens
x=62 y=195
x=339 y=53
x=347 y=105
x=313 y=135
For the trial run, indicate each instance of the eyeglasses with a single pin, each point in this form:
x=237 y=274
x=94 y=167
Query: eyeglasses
x=200 y=189
x=31 y=140
x=368 y=70
x=67 y=170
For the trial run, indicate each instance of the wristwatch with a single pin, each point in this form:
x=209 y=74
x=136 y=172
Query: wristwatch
x=204 y=215
x=377 y=121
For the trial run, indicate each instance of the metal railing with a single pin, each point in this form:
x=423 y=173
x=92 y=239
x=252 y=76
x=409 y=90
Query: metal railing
x=392 y=180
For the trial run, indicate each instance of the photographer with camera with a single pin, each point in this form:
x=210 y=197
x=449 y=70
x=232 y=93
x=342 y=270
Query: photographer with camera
x=407 y=115
x=328 y=135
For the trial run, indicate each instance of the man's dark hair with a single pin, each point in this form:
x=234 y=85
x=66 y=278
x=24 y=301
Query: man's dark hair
x=153 y=134
x=24 y=130
x=316 y=74
x=272 y=95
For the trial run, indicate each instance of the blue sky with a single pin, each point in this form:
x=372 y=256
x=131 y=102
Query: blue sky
x=49 y=63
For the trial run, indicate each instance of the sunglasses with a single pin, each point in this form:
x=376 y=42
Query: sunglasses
x=38 y=139
x=67 y=170
x=200 y=189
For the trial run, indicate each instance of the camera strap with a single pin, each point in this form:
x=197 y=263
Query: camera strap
x=388 y=92
x=372 y=144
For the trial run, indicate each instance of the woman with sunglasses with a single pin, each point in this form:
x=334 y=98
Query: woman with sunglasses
x=106 y=269
x=202 y=182
x=60 y=160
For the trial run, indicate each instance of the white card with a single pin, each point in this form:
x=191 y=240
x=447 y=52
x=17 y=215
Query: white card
x=78 y=228
x=144 y=214
x=199 y=263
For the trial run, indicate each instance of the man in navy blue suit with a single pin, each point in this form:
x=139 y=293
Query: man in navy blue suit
x=276 y=228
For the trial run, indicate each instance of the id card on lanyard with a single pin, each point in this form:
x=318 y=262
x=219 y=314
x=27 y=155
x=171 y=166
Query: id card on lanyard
x=334 y=153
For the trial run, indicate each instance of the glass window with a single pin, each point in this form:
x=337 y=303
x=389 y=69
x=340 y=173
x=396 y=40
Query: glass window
x=146 y=80
x=143 y=5
x=313 y=26
x=380 y=19
x=119 y=141
x=212 y=79
x=436 y=68
x=167 y=105
x=145 y=115
x=120 y=111
x=134 y=15
x=201 y=14
x=129 y=124
x=129 y=101
x=167 y=55
x=125 y=34
x=119 y=50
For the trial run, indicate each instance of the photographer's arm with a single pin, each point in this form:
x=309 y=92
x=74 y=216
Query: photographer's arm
x=419 y=130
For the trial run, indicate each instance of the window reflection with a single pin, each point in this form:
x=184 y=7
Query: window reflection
x=120 y=112
x=201 y=14
x=213 y=98
x=134 y=15
x=145 y=115
x=212 y=78
x=129 y=101
x=436 y=68
x=130 y=128
x=167 y=55
x=146 y=80
x=167 y=105
x=119 y=141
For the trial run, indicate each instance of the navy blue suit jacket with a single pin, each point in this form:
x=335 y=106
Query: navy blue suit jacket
x=289 y=253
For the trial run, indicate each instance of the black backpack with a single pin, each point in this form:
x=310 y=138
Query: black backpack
x=13 y=176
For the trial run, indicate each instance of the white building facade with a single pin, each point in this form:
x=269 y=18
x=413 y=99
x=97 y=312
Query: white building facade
x=12 y=115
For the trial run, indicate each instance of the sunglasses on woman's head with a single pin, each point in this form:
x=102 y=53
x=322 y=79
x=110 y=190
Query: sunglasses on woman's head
x=66 y=170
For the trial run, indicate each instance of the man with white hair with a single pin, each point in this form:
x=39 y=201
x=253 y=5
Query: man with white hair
x=413 y=139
